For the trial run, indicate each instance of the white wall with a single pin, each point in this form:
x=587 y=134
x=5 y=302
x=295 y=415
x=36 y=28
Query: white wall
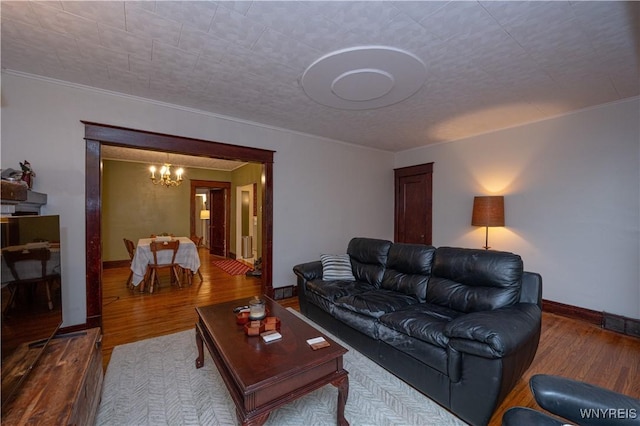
x=325 y=192
x=572 y=201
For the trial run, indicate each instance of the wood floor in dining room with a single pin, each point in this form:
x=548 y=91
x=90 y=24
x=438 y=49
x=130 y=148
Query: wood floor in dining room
x=129 y=315
x=568 y=347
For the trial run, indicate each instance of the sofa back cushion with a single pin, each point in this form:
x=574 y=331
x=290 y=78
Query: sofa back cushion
x=471 y=280
x=408 y=269
x=368 y=259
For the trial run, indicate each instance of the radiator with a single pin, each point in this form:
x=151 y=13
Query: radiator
x=247 y=249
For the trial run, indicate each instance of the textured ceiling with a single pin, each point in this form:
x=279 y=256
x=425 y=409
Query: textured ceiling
x=159 y=158
x=489 y=65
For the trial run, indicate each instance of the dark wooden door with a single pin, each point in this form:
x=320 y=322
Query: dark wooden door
x=413 y=193
x=219 y=222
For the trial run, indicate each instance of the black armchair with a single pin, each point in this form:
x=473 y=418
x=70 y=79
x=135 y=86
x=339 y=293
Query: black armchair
x=578 y=402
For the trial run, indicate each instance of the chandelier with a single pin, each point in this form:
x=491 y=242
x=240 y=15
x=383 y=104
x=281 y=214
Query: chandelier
x=165 y=176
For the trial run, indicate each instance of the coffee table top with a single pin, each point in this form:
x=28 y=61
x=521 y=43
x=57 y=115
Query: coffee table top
x=253 y=362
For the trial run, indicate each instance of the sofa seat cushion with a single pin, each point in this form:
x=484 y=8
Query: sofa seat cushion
x=423 y=321
x=432 y=356
x=365 y=324
x=320 y=301
x=375 y=303
x=332 y=290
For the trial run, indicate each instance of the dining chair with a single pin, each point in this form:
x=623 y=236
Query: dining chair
x=157 y=246
x=131 y=249
x=198 y=242
x=41 y=256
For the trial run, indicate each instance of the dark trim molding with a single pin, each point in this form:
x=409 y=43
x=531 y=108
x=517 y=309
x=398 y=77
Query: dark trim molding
x=110 y=264
x=97 y=135
x=608 y=321
x=72 y=329
x=575 y=312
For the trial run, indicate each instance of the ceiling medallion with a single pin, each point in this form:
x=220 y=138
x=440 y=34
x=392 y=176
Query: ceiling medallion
x=364 y=77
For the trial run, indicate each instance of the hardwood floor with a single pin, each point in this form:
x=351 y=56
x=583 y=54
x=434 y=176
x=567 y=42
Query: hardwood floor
x=129 y=315
x=568 y=347
x=581 y=351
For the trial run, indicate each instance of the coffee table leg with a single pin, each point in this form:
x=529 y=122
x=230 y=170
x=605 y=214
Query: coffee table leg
x=343 y=393
x=255 y=421
x=199 y=344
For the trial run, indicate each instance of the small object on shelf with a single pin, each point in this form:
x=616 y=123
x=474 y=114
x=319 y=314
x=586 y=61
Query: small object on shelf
x=257 y=309
x=12 y=175
x=240 y=309
x=272 y=323
x=317 y=343
x=254 y=328
x=27 y=173
x=270 y=336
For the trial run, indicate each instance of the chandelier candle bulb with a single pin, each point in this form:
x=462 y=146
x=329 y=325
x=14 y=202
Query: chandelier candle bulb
x=164 y=177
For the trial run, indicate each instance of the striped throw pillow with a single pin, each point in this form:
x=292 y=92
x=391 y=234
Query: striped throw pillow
x=336 y=267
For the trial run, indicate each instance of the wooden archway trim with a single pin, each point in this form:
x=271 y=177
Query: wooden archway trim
x=97 y=135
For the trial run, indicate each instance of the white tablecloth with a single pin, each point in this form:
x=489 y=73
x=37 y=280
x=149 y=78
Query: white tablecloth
x=187 y=257
x=28 y=269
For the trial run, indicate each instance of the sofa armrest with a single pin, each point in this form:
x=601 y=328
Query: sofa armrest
x=531 y=288
x=309 y=271
x=497 y=333
x=571 y=399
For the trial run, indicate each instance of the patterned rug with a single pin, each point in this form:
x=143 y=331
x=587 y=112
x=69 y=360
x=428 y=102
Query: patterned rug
x=232 y=267
x=155 y=382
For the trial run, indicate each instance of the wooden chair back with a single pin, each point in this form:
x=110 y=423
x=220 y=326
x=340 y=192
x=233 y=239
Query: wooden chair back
x=15 y=256
x=42 y=255
x=196 y=240
x=131 y=247
x=157 y=246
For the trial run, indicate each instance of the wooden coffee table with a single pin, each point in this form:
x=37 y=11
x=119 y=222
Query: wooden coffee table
x=264 y=376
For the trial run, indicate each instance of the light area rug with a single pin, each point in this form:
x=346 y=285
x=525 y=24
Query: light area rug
x=155 y=382
x=232 y=266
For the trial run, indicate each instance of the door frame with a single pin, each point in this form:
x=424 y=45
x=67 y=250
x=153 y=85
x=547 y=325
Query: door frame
x=96 y=135
x=400 y=203
x=211 y=184
x=238 y=218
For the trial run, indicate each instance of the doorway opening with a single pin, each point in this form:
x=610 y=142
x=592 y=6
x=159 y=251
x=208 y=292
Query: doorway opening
x=246 y=224
x=97 y=135
x=211 y=213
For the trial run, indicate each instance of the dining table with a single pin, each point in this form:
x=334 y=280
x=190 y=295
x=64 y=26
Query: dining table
x=187 y=257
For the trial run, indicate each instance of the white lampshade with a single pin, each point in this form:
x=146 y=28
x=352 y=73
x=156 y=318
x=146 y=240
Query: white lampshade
x=204 y=214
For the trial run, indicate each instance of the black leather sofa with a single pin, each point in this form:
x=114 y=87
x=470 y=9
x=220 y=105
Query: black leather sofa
x=460 y=325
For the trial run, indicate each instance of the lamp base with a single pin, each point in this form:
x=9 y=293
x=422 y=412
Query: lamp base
x=486 y=239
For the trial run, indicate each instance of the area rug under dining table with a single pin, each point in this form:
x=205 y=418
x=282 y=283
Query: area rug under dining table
x=155 y=382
